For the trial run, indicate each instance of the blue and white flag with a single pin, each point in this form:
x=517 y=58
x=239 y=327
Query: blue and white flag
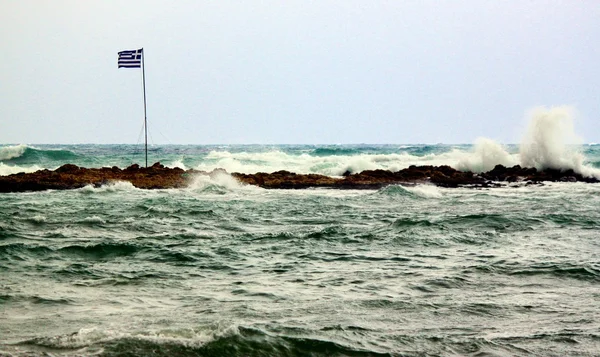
x=131 y=59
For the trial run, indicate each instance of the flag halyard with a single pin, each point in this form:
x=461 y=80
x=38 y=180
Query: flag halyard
x=130 y=59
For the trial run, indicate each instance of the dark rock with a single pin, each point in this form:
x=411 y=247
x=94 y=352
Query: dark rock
x=67 y=168
x=157 y=176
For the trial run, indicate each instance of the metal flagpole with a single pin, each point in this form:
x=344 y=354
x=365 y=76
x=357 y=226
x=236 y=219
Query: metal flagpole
x=145 y=117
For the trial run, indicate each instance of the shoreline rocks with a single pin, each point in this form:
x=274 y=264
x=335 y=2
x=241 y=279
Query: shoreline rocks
x=158 y=176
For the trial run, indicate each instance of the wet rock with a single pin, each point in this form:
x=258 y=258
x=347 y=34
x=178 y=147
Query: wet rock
x=67 y=168
x=158 y=176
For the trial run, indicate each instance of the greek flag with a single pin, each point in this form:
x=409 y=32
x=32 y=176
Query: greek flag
x=131 y=59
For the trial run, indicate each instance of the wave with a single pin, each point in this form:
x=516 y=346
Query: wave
x=287 y=342
x=28 y=154
x=421 y=191
x=23 y=158
x=334 y=151
x=550 y=142
x=485 y=156
x=11 y=152
x=15 y=169
x=110 y=187
x=213 y=341
x=585 y=272
x=218 y=182
x=101 y=251
x=34 y=299
x=331 y=165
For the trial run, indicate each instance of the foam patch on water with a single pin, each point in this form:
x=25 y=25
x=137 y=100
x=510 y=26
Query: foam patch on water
x=420 y=191
x=39 y=219
x=113 y=186
x=87 y=337
x=425 y=191
x=93 y=220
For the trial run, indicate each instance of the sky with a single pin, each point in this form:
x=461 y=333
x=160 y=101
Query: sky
x=295 y=71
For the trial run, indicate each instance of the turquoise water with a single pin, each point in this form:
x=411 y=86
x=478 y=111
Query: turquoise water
x=222 y=269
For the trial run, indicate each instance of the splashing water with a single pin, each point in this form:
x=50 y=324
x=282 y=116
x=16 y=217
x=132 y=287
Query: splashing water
x=550 y=139
x=550 y=142
x=487 y=154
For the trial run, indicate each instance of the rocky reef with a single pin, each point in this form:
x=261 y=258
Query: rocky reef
x=158 y=176
x=71 y=176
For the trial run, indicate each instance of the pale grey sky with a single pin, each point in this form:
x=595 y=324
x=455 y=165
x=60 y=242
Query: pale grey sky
x=295 y=71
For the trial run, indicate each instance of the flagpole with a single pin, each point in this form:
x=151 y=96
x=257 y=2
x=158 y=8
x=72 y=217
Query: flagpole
x=145 y=116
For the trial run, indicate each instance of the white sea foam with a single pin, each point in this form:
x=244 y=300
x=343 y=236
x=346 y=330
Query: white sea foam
x=10 y=169
x=486 y=154
x=113 y=186
x=10 y=152
x=116 y=186
x=549 y=142
x=188 y=337
x=93 y=220
x=39 y=219
x=425 y=191
x=333 y=165
x=217 y=181
x=177 y=163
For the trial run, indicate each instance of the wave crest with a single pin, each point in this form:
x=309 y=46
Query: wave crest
x=11 y=152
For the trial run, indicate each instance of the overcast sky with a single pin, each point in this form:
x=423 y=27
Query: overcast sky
x=295 y=71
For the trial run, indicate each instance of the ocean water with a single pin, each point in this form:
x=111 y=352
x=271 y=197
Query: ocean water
x=223 y=269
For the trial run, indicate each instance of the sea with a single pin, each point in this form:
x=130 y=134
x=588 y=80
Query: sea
x=224 y=269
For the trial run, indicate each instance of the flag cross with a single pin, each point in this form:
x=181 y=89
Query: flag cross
x=130 y=59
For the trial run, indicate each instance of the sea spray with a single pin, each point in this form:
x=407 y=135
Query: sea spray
x=486 y=154
x=549 y=139
x=550 y=142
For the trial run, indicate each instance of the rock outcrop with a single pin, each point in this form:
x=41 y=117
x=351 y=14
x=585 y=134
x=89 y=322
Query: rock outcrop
x=157 y=176
x=71 y=176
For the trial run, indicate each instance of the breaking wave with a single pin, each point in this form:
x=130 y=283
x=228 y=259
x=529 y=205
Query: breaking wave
x=24 y=154
x=486 y=154
x=10 y=169
x=24 y=158
x=214 y=341
x=11 y=152
x=550 y=142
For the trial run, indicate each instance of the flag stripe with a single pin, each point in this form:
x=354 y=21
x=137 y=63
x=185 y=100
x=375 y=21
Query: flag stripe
x=130 y=59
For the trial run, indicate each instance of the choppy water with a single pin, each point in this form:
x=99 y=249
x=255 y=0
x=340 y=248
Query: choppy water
x=220 y=269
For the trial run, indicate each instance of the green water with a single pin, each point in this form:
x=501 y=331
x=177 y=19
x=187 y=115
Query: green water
x=221 y=269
